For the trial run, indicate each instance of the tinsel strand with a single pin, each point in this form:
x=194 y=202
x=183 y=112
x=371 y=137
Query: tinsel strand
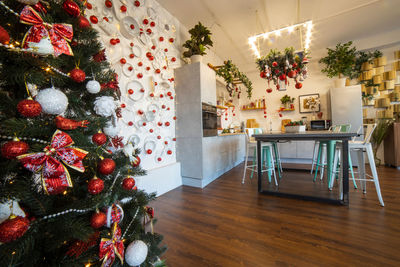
x=129 y=225
x=9 y=9
x=25 y=138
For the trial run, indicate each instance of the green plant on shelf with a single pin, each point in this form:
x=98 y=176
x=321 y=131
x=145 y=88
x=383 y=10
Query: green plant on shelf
x=287 y=99
x=361 y=58
x=295 y=123
x=200 y=40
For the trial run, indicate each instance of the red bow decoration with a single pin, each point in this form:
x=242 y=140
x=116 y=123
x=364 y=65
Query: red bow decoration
x=111 y=247
x=59 y=34
x=111 y=85
x=116 y=142
x=55 y=176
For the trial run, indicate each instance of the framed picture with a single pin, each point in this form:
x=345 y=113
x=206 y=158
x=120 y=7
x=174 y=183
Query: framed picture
x=309 y=103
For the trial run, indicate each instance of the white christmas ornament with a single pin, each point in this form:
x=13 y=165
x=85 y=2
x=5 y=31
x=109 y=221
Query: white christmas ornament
x=5 y=210
x=93 y=87
x=43 y=48
x=104 y=106
x=28 y=2
x=136 y=253
x=111 y=130
x=52 y=100
x=33 y=89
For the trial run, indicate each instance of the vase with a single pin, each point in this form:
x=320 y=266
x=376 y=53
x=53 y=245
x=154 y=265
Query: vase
x=196 y=58
x=340 y=82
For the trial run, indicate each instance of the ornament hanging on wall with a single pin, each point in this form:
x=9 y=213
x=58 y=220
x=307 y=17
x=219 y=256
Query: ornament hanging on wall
x=52 y=101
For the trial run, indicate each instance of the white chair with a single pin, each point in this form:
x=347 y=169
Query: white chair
x=360 y=147
x=266 y=147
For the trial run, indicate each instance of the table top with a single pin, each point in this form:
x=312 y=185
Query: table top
x=307 y=135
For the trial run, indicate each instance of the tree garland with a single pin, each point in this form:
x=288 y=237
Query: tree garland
x=231 y=74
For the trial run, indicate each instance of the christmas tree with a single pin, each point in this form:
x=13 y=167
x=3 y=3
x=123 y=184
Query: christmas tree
x=67 y=199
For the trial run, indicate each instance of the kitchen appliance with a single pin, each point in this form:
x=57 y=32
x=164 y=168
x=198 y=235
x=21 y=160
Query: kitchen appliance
x=320 y=125
x=210 y=120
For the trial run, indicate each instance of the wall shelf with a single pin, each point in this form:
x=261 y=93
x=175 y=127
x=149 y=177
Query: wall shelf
x=222 y=107
x=254 y=108
x=287 y=109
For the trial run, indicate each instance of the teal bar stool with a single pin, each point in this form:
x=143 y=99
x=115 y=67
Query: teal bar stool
x=267 y=158
x=326 y=153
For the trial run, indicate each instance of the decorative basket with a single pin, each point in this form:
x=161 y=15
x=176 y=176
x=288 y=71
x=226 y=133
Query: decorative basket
x=295 y=129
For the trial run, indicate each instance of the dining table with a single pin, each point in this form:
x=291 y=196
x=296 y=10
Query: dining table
x=272 y=136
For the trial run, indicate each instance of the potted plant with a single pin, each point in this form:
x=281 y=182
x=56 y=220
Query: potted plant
x=368 y=99
x=200 y=40
x=287 y=101
x=339 y=62
x=295 y=127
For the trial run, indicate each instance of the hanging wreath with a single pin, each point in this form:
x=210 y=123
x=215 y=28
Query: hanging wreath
x=278 y=66
x=232 y=76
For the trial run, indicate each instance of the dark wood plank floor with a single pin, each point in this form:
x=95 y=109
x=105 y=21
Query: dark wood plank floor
x=230 y=224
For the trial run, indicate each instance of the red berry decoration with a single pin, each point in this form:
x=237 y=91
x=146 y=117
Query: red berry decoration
x=77 y=75
x=4 y=36
x=145 y=21
x=159 y=123
x=269 y=90
x=98 y=220
x=136 y=161
x=278 y=86
x=276 y=71
x=94 y=19
x=298 y=85
x=89 y=5
x=122 y=60
x=161 y=39
x=83 y=22
x=148 y=54
x=13 y=228
x=149 y=151
x=128 y=183
x=263 y=74
x=12 y=149
x=131 y=55
x=158 y=71
x=291 y=74
x=152 y=24
x=167 y=123
x=149 y=31
x=140 y=64
x=282 y=77
x=95 y=186
x=294 y=65
x=29 y=108
x=132 y=27
x=139 y=75
x=137 y=3
x=108 y=4
x=130 y=91
x=169 y=152
x=274 y=64
x=99 y=139
x=159 y=159
x=71 y=8
x=171 y=40
x=106 y=166
x=123 y=9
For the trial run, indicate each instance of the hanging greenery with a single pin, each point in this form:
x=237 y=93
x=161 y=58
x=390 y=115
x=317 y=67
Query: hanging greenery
x=233 y=76
x=279 y=66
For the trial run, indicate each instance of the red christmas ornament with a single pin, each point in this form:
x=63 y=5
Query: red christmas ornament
x=29 y=108
x=282 y=77
x=71 y=8
x=276 y=71
x=173 y=59
x=145 y=21
x=123 y=61
x=167 y=124
x=269 y=90
x=149 y=151
x=159 y=123
x=159 y=159
x=263 y=74
x=94 y=19
x=137 y=3
x=144 y=123
x=274 y=64
x=291 y=74
x=100 y=56
x=106 y=166
x=131 y=55
x=113 y=41
x=298 y=85
x=89 y=5
x=171 y=40
x=68 y=124
x=136 y=161
x=123 y=9
x=294 y=65
x=83 y=22
x=149 y=31
x=153 y=47
x=13 y=228
x=99 y=139
x=108 y=4
x=39 y=8
x=95 y=186
x=169 y=152
x=77 y=75
x=98 y=220
x=4 y=37
x=158 y=71
x=12 y=149
x=139 y=75
x=140 y=64
x=151 y=58
x=128 y=183
x=148 y=54
x=278 y=86
x=152 y=24
x=161 y=39
x=130 y=91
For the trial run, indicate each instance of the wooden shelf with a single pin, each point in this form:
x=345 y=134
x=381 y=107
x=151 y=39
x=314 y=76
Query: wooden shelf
x=288 y=109
x=254 y=108
x=229 y=105
x=222 y=107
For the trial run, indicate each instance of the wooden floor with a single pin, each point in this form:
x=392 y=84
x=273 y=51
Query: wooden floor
x=230 y=224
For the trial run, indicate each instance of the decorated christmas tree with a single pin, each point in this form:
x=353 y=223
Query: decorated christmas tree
x=67 y=192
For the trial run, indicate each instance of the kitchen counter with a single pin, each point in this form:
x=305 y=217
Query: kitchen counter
x=228 y=134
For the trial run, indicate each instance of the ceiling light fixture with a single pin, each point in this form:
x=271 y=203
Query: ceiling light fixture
x=307 y=41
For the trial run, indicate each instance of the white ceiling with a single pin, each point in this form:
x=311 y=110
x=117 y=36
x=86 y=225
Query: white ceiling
x=233 y=21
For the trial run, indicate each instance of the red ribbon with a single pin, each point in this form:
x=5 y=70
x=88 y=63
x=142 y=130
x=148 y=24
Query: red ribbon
x=112 y=85
x=59 y=34
x=55 y=175
x=111 y=247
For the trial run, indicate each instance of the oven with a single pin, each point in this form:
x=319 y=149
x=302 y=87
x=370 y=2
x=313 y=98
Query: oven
x=320 y=124
x=210 y=120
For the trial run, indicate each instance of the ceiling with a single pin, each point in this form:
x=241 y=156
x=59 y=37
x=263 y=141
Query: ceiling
x=232 y=22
